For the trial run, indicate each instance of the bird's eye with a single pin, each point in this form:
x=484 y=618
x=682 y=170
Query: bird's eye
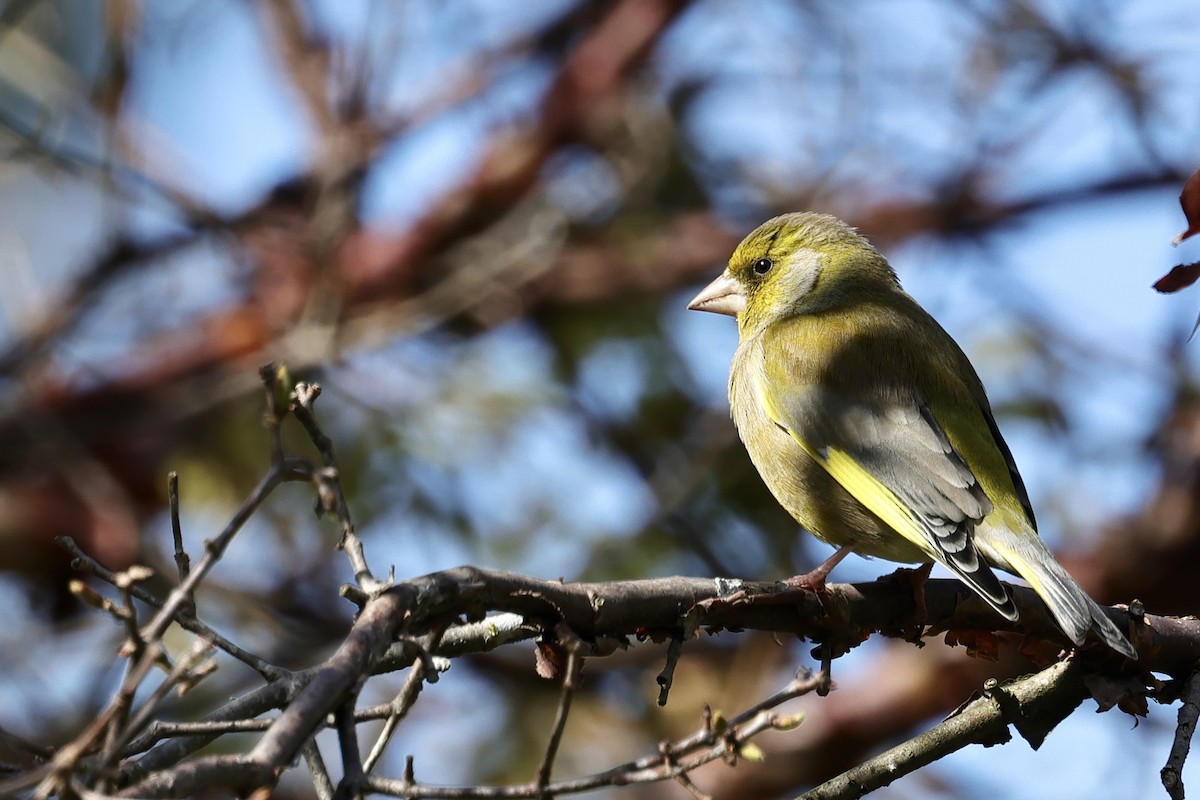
x=763 y=266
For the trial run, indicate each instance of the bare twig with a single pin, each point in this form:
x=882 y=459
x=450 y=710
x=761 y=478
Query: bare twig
x=667 y=676
x=236 y=715
x=182 y=561
x=84 y=563
x=133 y=650
x=1185 y=728
x=67 y=759
x=673 y=759
x=322 y=783
x=200 y=649
x=159 y=730
x=290 y=469
x=329 y=688
x=569 y=683
x=352 y=764
x=1046 y=698
x=420 y=671
x=368 y=639
x=329 y=486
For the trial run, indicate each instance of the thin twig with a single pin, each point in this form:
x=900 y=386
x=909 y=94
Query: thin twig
x=570 y=681
x=352 y=764
x=236 y=715
x=339 y=675
x=404 y=699
x=182 y=561
x=147 y=642
x=135 y=652
x=272 y=376
x=476 y=637
x=200 y=649
x=132 y=650
x=1185 y=728
x=213 y=550
x=667 y=676
x=82 y=562
x=329 y=486
x=671 y=761
x=1046 y=698
x=67 y=758
x=317 y=770
x=159 y=730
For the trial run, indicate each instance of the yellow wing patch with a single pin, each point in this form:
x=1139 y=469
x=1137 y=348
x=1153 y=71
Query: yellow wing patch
x=876 y=497
x=862 y=485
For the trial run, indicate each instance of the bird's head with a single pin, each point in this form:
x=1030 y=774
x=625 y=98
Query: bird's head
x=799 y=263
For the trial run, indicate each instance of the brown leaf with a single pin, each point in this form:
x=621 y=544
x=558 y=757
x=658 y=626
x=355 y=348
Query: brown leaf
x=1040 y=650
x=1125 y=692
x=979 y=644
x=1135 y=706
x=1180 y=277
x=1189 y=199
x=550 y=659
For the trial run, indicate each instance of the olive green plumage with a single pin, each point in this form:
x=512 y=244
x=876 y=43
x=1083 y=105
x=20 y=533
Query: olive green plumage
x=869 y=424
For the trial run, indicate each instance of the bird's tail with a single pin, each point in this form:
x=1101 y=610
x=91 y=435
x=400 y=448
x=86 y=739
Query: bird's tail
x=1076 y=613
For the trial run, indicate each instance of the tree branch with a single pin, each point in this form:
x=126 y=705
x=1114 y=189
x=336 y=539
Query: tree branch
x=1036 y=703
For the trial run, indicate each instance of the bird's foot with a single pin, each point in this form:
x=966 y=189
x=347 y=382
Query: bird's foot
x=815 y=579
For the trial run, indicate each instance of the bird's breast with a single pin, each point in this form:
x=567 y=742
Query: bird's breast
x=801 y=485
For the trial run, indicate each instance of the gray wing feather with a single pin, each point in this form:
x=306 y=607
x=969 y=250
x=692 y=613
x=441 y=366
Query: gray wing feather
x=1018 y=483
x=900 y=443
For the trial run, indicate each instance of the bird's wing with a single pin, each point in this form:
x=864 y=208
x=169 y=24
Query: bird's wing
x=894 y=458
x=1018 y=483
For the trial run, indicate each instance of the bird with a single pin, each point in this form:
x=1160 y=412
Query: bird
x=869 y=424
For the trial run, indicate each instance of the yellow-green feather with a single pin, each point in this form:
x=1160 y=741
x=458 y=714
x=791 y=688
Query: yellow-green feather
x=828 y=316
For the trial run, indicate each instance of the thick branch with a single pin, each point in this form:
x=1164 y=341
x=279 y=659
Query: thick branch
x=672 y=605
x=603 y=613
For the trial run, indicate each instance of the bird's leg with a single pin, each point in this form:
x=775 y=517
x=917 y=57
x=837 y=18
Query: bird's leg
x=815 y=579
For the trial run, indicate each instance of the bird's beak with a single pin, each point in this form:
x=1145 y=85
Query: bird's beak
x=722 y=296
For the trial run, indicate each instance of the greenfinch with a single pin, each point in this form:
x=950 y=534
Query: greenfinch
x=870 y=426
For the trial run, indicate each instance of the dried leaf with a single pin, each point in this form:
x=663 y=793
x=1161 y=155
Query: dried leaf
x=1135 y=706
x=979 y=644
x=1180 y=277
x=550 y=659
x=1189 y=199
x=1125 y=692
